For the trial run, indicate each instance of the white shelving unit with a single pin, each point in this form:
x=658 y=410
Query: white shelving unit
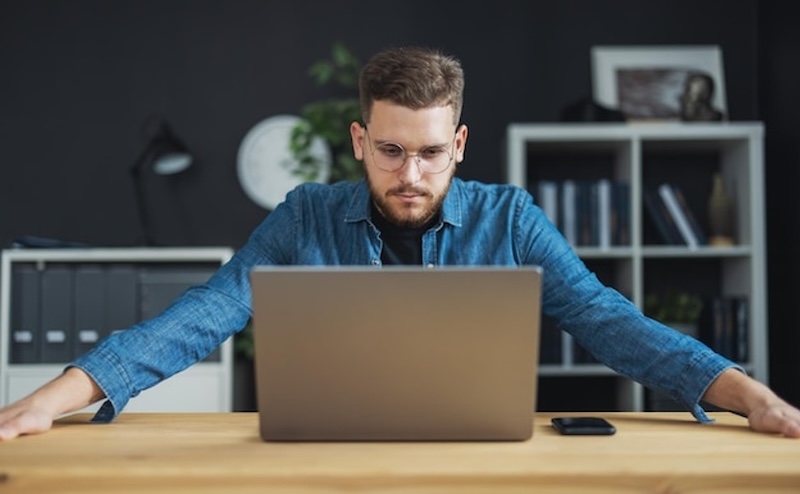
x=643 y=155
x=155 y=276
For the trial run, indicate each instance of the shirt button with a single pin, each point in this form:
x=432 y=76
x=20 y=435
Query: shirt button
x=430 y=265
x=376 y=262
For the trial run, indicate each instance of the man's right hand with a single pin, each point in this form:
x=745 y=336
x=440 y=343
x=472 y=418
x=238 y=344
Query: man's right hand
x=34 y=414
x=23 y=417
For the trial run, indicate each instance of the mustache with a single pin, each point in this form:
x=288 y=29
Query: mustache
x=407 y=189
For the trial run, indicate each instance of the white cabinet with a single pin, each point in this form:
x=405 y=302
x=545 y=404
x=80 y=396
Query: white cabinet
x=57 y=303
x=644 y=156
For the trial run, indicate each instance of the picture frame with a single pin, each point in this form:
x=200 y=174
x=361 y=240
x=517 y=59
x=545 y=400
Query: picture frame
x=650 y=82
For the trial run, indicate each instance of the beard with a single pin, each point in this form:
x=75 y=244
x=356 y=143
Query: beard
x=406 y=216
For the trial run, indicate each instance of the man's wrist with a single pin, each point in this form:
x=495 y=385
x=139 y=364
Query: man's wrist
x=72 y=390
x=737 y=392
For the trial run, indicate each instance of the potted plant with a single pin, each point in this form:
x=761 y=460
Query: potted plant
x=330 y=118
x=677 y=309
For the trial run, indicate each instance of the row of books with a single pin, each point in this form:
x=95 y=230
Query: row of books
x=675 y=221
x=724 y=326
x=587 y=212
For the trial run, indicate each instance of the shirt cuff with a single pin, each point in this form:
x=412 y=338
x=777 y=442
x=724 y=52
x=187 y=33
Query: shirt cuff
x=697 y=410
x=108 y=373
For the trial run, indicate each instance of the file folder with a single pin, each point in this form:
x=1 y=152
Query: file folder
x=24 y=331
x=90 y=302
x=122 y=301
x=56 y=312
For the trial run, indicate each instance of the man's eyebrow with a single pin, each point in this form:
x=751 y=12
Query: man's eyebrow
x=380 y=142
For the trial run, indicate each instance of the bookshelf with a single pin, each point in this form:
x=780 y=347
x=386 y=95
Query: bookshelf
x=645 y=156
x=55 y=304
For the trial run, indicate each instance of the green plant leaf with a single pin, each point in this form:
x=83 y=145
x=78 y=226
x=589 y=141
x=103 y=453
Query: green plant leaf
x=329 y=119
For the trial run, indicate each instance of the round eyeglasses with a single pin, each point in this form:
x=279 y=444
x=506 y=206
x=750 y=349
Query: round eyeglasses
x=391 y=157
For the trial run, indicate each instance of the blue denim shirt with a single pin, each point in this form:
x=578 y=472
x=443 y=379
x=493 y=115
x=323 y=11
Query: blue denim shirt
x=480 y=225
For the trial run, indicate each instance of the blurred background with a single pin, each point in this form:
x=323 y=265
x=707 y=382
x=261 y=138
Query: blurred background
x=79 y=79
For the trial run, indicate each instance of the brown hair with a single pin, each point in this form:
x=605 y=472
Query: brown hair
x=413 y=77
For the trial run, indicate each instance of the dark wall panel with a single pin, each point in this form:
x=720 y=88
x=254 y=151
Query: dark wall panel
x=81 y=77
x=779 y=44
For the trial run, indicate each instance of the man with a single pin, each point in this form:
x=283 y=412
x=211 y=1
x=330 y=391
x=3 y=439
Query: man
x=410 y=209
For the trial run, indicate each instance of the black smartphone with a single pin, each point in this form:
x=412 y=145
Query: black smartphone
x=583 y=426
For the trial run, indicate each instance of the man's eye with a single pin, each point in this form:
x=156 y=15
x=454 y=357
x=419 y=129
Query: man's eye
x=430 y=153
x=391 y=151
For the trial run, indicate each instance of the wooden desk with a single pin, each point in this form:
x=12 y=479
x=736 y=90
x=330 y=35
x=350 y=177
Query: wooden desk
x=651 y=452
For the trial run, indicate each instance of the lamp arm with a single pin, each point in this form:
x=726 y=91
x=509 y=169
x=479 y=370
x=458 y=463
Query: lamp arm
x=138 y=189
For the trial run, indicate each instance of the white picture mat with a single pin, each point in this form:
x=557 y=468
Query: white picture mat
x=606 y=60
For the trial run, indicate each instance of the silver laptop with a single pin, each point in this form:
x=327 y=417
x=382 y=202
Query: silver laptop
x=396 y=353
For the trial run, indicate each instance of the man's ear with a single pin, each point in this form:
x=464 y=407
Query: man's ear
x=357 y=132
x=461 y=142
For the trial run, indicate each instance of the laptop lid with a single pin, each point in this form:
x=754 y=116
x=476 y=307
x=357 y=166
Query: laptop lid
x=397 y=353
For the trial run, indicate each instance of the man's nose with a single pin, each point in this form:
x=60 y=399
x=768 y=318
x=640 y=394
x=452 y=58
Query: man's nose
x=411 y=170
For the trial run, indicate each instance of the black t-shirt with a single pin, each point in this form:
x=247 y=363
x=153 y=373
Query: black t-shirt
x=400 y=245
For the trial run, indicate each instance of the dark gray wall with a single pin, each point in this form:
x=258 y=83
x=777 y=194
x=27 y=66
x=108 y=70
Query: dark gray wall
x=78 y=78
x=779 y=75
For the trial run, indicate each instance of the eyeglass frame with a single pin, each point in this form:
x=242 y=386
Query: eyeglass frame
x=418 y=159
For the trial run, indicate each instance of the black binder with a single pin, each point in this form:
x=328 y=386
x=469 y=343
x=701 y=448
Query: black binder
x=56 y=310
x=90 y=302
x=25 y=314
x=122 y=301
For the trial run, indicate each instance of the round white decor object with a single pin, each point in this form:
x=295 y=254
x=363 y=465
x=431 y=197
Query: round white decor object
x=266 y=165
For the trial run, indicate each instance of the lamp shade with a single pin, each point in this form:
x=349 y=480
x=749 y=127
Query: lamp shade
x=164 y=154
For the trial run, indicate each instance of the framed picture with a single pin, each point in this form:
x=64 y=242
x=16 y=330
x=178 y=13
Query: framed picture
x=660 y=82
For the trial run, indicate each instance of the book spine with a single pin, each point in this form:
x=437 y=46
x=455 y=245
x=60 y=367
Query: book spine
x=677 y=214
x=548 y=199
x=569 y=214
x=699 y=231
x=660 y=216
x=622 y=213
x=604 y=213
x=741 y=322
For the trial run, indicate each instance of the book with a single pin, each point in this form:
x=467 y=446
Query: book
x=585 y=211
x=699 y=231
x=604 y=213
x=676 y=212
x=740 y=319
x=661 y=218
x=569 y=215
x=621 y=213
x=724 y=324
x=547 y=198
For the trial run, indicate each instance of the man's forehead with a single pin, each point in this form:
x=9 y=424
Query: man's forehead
x=391 y=121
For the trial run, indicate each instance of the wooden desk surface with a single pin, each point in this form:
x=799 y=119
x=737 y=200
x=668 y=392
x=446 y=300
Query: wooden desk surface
x=651 y=452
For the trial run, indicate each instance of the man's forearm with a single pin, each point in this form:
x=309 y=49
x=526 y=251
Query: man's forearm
x=70 y=391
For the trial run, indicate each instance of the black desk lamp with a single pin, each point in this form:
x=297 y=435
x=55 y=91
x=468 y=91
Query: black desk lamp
x=164 y=154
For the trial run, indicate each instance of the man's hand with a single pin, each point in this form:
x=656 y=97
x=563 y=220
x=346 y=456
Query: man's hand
x=70 y=391
x=21 y=418
x=778 y=417
x=765 y=411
